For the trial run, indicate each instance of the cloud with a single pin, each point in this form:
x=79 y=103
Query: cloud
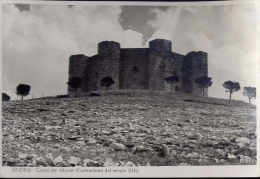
x=133 y=39
x=23 y=7
x=37 y=43
x=226 y=33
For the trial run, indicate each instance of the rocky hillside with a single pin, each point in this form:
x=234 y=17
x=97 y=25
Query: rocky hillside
x=128 y=128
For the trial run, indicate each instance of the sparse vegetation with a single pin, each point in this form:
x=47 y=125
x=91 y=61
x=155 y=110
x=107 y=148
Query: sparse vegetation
x=250 y=92
x=5 y=97
x=107 y=81
x=75 y=83
x=204 y=82
x=62 y=96
x=172 y=80
x=23 y=90
x=231 y=87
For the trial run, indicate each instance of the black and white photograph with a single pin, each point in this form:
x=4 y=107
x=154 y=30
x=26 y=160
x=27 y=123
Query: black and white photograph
x=119 y=87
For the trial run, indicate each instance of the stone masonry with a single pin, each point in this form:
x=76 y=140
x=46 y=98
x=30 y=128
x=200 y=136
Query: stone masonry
x=139 y=68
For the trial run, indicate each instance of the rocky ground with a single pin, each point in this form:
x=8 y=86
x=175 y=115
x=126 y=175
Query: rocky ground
x=128 y=128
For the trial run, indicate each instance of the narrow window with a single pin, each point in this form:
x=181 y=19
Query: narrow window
x=135 y=69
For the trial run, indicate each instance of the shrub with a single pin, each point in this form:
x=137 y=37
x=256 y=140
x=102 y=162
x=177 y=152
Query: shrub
x=5 y=97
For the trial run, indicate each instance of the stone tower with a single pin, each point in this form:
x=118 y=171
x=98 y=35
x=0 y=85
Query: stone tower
x=109 y=57
x=77 y=68
x=159 y=52
x=195 y=65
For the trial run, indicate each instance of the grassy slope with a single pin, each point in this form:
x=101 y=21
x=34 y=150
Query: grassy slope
x=196 y=130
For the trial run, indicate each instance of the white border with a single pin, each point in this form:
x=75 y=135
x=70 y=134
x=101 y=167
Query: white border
x=178 y=171
x=206 y=3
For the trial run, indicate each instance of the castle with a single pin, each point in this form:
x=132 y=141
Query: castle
x=139 y=68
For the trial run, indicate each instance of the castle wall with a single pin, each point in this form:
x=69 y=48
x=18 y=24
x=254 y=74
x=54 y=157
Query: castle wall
x=174 y=64
x=195 y=65
x=134 y=69
x=92 y=82
x=159 y=52
x=77 y=68
x=109 y=57
x=139 y=68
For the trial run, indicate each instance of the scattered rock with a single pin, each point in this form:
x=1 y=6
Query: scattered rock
x=73 y=161
x=56 y=146
x=10 y=161
x=92 y=163
x=104 y=132
x=30 y=165
x=148 y=164
x=129 y=143
x=193 y=155
x=142 y=108
x=49 y=159
x=109 y=162
x=184 y=164
x=183 y=124
x=118 y=147
x=58 y=160
x=42 y=109
x=27 y=142
x=140 y=135
x=165 y=150
x=141 y=148
x=192 y=137
x=85 y=162
x=40 y=162
x=30 y=157
x=74 y=137
x=224 y=143
x=214 y=132
x=129 y=164
x=242 y=140
x=22 y=156
x=91 y=142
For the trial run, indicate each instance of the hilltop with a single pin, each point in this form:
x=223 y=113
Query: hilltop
x=128 y=128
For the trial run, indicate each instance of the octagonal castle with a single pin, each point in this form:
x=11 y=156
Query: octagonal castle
x=139 y=68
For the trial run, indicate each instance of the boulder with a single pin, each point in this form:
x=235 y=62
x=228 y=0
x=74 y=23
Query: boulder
x=22 y=156
x=91 y=142
x=58 y=160
x=129 y=143
x=73 y=161
x=165 y=150
x=118 y=146
x=129 y=164
x=242 y=140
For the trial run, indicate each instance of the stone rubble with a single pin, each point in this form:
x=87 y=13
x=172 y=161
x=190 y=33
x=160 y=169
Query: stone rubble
x=124 y=130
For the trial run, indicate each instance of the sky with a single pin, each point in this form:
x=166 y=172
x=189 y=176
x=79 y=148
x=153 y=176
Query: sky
x=39 y=39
